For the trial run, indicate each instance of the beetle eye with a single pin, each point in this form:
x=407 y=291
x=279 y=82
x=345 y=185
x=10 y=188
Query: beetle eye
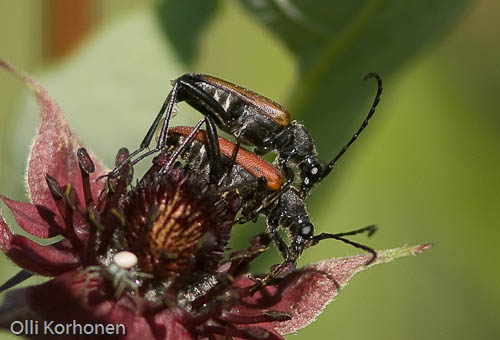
x=306 y=230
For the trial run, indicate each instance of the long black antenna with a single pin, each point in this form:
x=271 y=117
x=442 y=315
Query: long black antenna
x=330 y=165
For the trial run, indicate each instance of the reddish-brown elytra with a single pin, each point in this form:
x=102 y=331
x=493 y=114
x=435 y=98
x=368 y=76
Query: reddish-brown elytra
x=267 y=106
x=252 y=163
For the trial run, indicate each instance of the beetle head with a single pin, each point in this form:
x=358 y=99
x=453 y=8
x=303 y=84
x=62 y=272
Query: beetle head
x=311 y=172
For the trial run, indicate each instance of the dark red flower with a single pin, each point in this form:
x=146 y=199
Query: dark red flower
x=151 y=257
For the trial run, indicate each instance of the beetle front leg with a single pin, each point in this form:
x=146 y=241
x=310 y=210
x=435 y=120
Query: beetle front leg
x=280 y=270
x=166 y=109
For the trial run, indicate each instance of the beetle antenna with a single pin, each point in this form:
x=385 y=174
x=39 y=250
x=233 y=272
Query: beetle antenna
x=370 y=230
x=330 y=165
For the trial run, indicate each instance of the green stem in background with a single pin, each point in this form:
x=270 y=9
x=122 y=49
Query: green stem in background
x=333 y=49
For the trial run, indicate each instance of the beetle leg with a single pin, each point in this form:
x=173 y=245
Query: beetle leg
x=269 y=200
x=213 y=150
x=184 y=89
x=183 y=146
x=167 y=107
x=283 y=248
x=260 y=185
x=256 y=183
x=208 y=107
x=234 y=155
x=280 y=270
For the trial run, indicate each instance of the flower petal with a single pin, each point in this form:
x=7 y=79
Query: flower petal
x=15 y=307
x=305 y=292
x=165 y=326
x=36 y=220
x=54 y=149
x=69 y=297
x=48 y=260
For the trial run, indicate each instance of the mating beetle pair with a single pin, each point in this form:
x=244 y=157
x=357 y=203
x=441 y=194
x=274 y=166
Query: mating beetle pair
x=259 y=122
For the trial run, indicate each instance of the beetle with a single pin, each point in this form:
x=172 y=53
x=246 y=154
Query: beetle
x=253 y=120
x=256 y=181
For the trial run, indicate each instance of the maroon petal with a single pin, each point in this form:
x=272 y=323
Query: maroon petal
x=68 y=297
x=15 y=307
x=54 y=149
x=48 y=260
x=165 y=326
x=306 y=292
x=36 y=220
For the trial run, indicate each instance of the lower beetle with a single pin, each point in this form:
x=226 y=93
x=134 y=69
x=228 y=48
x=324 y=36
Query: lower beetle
x=261 y=188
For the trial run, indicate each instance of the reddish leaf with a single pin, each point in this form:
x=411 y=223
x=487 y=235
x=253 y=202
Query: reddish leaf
x=36 y=220
x=54 y=149
x=306 y=292
x=5 y=235
x=48 y=260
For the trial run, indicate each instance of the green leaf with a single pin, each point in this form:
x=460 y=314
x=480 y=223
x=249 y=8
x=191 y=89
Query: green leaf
x=338 y=42
x=183 y=23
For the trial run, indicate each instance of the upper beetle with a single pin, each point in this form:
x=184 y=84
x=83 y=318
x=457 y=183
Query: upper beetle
x=254 y=120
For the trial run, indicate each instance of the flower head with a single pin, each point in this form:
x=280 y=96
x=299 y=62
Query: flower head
x=152 y=257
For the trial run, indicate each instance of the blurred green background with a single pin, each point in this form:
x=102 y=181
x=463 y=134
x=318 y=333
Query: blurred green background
x=427 y=169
